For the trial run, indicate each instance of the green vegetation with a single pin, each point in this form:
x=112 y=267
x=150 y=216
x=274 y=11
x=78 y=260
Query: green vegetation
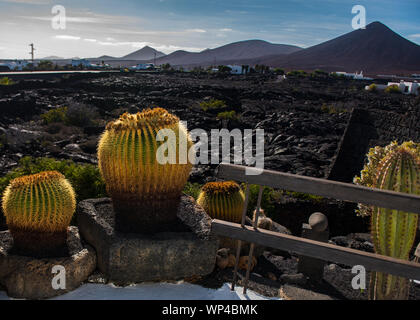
x=297 y=73
x=54 y=115
x=75 y=115
x=224 y=69
x=332 y=110
x=45 y=65
x=192 y=189
x=213 y=104
x=6 y=81
x=396 y=168
x=392 y=89
x=373 y=88
x=278 y=71
x=227 y=115
x=85 y=178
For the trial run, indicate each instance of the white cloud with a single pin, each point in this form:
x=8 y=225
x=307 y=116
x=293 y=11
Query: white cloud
x=225 y=30
x=90 y=40
x=417 y=35
x=66 y=37
x=197 y=30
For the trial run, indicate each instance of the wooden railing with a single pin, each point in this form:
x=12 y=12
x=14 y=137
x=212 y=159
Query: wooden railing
x=315 y=249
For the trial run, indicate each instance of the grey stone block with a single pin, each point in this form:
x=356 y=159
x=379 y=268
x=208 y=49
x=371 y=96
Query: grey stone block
x=31 y=278
x=128 y=258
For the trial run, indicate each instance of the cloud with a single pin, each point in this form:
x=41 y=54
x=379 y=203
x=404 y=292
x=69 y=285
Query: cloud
x=416 y=35
x=197 y=30
x=36 y=2
x=66 y=37
x=225 y=30
x=90 y=40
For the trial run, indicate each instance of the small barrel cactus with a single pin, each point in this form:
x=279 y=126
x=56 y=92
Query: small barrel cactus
x=38 y=209
x=145 y=192
x=222 y=200
x=397 y=168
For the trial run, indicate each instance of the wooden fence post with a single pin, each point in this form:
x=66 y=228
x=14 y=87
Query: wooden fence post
x=316 y=229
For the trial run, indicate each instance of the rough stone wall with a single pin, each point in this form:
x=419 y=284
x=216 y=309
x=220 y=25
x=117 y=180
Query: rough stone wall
x=369 y=128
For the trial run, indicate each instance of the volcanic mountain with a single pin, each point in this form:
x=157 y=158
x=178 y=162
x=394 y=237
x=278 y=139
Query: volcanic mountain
x=145 y=53
x=374 y=49
x=237 y=51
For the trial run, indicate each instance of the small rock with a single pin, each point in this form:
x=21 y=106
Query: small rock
x=298 y=278
x=222 y=258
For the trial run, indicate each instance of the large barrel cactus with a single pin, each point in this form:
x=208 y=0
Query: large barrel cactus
x=38 y=210
x=145 y=192
x=397 y=168
x=222 y=200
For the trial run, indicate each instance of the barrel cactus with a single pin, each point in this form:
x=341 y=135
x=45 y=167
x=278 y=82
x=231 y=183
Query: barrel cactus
x=145 y=192
x=397 y=168
x=38 y=209
x=222 y=200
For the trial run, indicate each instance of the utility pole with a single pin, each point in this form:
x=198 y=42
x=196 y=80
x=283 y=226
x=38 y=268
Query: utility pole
x=32 y=52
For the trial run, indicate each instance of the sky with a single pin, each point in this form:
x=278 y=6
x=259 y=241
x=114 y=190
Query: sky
x=116 y=28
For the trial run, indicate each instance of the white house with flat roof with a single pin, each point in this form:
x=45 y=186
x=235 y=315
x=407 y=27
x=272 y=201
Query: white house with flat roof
x=406 y=87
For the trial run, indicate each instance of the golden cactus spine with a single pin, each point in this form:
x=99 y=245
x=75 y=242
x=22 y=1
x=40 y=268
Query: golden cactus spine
x=38 y=209
x=397 y=168
x=222 y=200
x=144 y=190
x=43 y=202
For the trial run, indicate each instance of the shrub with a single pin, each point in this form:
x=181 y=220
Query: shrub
x=297 y=73
x=227 y=115
x=85 y=178
x=55 y=115
x=213 y=104
x=332 y=109
x=392 y=89
x=6 y=81
x=372 y=88
x=80 y=115
x=192 y=189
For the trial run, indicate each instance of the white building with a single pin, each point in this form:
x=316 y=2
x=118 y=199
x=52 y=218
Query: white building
x=355 y=76
x=406 y=87
x=16 y=65
x=143 y=66
x=83 y=62
x=236 y=69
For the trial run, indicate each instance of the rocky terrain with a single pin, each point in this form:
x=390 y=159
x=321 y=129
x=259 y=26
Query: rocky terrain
x=311 y=124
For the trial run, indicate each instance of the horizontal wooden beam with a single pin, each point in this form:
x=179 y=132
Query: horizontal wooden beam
x=316 y=249
x=322 y=187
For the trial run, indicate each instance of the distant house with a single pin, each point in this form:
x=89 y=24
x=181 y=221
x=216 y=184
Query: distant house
x=236 y=69
x=81 y=62
x=143 y=66
x=355 y=76
x=405 y=87
x=16 y=65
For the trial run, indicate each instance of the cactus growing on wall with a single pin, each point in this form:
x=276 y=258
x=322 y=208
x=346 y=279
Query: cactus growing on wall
x=222 y=200
x=38 y=209
x=397 y=168
x=145 y=192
